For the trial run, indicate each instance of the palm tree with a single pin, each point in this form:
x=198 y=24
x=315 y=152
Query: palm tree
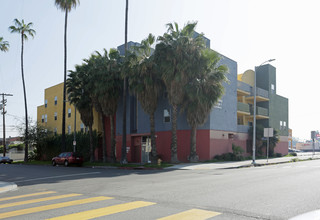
x=108 y=89
x=79 y=95
x=4 y=45
x=65 y=6
x=202 y=93
x=25 y=30
x=124 y=100
x=146 y=84
x=175 y=55
x=106 y=86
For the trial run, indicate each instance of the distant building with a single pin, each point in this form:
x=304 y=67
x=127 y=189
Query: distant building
x=49 y=115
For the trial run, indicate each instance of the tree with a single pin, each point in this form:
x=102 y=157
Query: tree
x=107 y=87
x=25 y=30
x=146 y=84
x=4 y=45
x=203 y=92
x=124 y=98
x=65 y=6
x=260 y=143
x=174 y=55
x=79 y=95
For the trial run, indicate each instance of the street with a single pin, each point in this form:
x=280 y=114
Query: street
x=268 y=192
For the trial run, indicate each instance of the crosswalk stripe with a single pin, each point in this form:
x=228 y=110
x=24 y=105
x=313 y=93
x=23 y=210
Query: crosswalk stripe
x=27 y=195
x=192 y=214
x=95 y=213
x=37 y=200
x=53 y=206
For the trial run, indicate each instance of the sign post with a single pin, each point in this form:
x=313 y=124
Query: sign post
x=268 y=132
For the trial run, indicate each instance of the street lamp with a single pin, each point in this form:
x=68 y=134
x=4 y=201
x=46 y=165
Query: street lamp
x=254 y=112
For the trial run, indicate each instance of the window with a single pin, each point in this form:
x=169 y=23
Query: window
x=69 y=112
x=281 y=124
x=42 y=118
x=55 y=131
x=45 y=103
x=55 y=116
x=166 y=115
x=219 y=104
x=55 y=100
x=46 y=118
x=82 y=127
x=272 y=87
x=284 y=124
x=69 y=129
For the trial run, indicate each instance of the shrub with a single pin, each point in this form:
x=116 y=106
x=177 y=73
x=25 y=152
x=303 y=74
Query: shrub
x=278 y=155
x=236 y=155
x=294 y=154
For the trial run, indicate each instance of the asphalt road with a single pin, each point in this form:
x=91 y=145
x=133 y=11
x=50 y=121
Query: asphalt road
x=268 y=192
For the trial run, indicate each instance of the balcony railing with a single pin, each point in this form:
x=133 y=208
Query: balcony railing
x=243 y=107
x=260 y=111
x=262 y=93
x=244 y=86
x=243 y=128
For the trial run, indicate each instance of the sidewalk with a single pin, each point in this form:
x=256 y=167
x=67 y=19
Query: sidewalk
x=242 y=164
x=5 y=186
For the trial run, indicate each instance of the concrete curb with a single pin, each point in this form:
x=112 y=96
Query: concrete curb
x=6 y=186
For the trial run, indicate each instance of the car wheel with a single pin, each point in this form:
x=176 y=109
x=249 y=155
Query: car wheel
x=54 y=163
x=66 y=163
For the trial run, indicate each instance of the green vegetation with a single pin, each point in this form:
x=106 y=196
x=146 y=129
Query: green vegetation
x=4 y=45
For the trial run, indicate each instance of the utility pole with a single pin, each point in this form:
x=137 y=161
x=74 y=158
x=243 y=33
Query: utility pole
x=4 y=101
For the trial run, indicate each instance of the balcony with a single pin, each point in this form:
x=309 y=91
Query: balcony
x=243 y=128
x=261 y=96
x=243 y=108
x=261 y=113
x=243 y=89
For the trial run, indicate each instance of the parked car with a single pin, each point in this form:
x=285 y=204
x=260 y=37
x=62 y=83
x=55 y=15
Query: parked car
x=5 y=160
x=67 y=158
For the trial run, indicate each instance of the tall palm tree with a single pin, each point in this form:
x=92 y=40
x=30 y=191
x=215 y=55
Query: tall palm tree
x=202 y=93
x=108 y=89
x=80 y=96
x=146 y=84
x=175 y=55
x=65 y=6
x=24 y=30
x=4 y=45
x=124 y=114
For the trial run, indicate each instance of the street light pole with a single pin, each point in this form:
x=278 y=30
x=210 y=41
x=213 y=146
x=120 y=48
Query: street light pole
x=254 y=111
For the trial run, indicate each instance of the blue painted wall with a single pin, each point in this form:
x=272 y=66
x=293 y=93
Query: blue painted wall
x=225 y=118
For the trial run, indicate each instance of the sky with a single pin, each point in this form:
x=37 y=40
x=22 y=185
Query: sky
x=247 y=31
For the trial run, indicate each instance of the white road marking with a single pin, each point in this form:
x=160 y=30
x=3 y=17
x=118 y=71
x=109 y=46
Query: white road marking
x=53 y=177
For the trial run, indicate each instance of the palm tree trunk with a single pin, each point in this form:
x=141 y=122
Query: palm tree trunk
x=25 y=104
x=174 y=147
x=193 y=145
x=64 y=85
x=153 y=155
x=104 y=146
x=124 y=117
x=91 y=144
x=113 y=141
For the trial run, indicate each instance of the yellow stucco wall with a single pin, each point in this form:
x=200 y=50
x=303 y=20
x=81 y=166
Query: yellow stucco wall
x=247 y=77
x=52 y=109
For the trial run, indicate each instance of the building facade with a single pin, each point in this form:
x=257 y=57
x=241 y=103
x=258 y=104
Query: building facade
x=227 y=124
x=49 y=115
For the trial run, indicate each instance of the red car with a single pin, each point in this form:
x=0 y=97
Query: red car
x=67 y=158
